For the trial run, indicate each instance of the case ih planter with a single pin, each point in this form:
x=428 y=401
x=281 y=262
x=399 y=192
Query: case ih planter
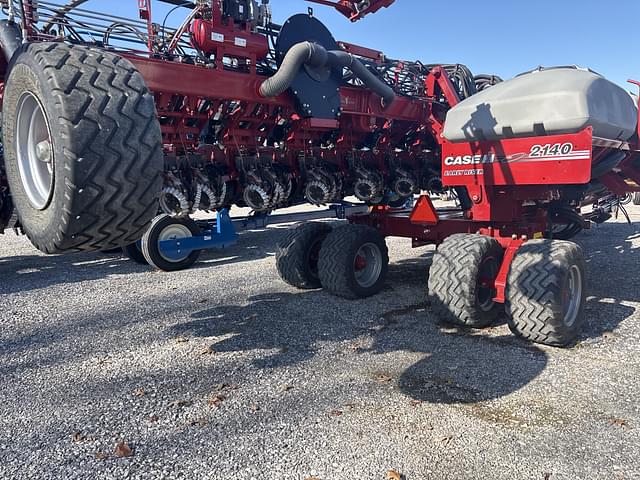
x=102 y=115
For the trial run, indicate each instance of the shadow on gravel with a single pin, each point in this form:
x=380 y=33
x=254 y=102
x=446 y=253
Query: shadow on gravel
x=458 y=366
x=32 y=272
x=411 y=271
x=268 y=322
x=462 y=372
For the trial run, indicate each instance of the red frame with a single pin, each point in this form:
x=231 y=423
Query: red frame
x=180 y=90
x=349 y=8
x=508 y=197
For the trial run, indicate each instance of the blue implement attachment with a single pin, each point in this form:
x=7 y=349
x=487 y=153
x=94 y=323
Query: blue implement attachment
x=174 y=243
x=221 y=233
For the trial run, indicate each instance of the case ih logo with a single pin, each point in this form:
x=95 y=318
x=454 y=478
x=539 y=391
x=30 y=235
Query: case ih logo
x=538 y=153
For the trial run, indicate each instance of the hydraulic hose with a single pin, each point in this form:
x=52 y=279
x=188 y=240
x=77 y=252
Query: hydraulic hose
x=484 y=81
x=60 y=14
x=316 y=56
x=568 y=222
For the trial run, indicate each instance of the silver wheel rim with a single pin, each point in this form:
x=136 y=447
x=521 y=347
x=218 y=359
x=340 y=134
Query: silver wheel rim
x=573 y=296
x=34 y=151
x=175 y=231
x=368 y=265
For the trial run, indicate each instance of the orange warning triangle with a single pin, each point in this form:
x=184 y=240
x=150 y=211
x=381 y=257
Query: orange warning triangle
x=424 y=211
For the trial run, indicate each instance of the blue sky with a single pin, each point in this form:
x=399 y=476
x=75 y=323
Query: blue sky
x=504 y=37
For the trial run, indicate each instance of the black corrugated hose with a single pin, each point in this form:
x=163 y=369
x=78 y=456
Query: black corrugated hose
x=316 y=56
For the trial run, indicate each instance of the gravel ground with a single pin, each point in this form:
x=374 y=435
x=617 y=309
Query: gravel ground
x=225 y=372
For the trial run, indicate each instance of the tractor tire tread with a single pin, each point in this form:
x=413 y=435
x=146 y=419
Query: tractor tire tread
x=452 y=279
x=107 y=111
x=534 y=285
x=334 y=259
x=291 y=254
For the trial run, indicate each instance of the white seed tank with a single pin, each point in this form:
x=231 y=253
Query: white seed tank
x=545 y=102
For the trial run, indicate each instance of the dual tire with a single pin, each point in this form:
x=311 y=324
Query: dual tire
x=350 y=261
x=459 y=280
x=545 y=290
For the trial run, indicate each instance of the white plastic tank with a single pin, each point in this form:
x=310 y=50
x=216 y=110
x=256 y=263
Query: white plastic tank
x=545 y=102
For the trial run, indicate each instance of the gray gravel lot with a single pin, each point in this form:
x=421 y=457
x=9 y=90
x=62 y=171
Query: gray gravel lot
x=225 y=372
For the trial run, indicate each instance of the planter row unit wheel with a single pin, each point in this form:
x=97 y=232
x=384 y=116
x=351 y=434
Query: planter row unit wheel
x=349 y=261
x=82 y=147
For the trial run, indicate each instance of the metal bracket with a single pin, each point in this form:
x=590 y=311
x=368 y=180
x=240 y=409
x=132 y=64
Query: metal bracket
x=501 y=278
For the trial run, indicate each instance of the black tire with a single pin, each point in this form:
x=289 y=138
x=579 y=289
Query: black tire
x=343 y=248
x=538 y=295
x=636 y=198
x=454 y=290
x=103 y=151
x=133 y=253
x=159 y=228
x=298 y=253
